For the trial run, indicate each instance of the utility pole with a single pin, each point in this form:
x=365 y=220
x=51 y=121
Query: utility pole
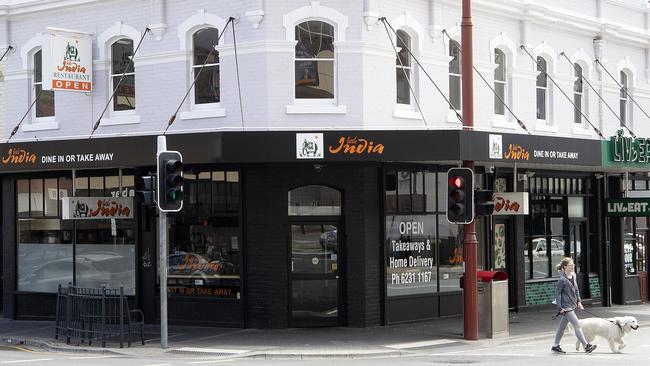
x=470 y=302
x=162 y=261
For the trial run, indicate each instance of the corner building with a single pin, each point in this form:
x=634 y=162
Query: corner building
x=319 y=197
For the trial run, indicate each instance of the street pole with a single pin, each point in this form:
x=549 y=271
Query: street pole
x=470 y=303
x=162 y=259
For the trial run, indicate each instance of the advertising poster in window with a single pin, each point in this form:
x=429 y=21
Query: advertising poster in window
x=67 y=61
x=410 y=258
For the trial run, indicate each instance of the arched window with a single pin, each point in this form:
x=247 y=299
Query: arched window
x=121 y=53
x=624 y=99
x=206 y=88
x=542 y=89
x=44 y=106
x=454 y=76
x=314 y=200
x=314 y=60
x=499 y=82
x=578 y=94
x=404 y=68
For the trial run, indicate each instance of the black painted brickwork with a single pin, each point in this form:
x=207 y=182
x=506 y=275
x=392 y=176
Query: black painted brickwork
x=267 y=236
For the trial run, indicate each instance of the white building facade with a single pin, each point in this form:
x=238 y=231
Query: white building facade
x=373 y=134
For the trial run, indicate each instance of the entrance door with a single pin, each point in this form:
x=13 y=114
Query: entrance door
x=314 y=274
x=577 y=239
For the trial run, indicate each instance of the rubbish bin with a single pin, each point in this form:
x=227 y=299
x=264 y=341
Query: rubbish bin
x=492 y=288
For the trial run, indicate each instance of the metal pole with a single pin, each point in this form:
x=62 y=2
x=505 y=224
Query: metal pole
x=162 y=260
x=470 y=301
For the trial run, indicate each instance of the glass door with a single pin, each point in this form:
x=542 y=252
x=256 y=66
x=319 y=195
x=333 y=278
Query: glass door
x=314 y=274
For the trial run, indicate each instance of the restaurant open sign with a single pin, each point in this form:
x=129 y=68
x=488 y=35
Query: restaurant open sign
x=67 y=61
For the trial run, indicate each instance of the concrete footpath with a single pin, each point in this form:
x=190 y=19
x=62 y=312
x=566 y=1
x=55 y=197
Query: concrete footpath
x=305 y=343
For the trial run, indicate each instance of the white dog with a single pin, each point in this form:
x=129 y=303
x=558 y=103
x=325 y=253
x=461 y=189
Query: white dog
x=612 y=329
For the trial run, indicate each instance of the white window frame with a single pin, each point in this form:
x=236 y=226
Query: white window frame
x=545 y=90
x=459 y=75
x=323 y=101
x=105 y=41
x=580 y=107
x=185 y=31
x=624 y=100
x=503 y=82
x=315 y=12
x=128 y=112
x=194 y=69
x=34 y=83
x=410 y=73
x=27 y=53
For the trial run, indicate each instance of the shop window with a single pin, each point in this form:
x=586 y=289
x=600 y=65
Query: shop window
x=314 y=201
x=411 y=255
x=52 y=251
x=314 y=60
x=207 y=86
x=546 y=241
x=204 y=255
x=121 y=53
x=450 y=250
x=410 y=191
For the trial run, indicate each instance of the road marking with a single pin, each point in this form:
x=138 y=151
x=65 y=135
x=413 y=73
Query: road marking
x=89 y=357
x=22 y=361
x=212 y=350
x=211 y=361
x=158 y=364
x=420 y=344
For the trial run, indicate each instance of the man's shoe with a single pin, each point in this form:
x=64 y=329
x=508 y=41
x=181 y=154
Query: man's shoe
x=559 y=349
x=590 y=348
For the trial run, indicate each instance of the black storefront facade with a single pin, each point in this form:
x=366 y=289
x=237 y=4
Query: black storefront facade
x=283 y=229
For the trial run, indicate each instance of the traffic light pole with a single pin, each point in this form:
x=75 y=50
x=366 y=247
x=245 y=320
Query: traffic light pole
x=470 y=307
x=162 y=260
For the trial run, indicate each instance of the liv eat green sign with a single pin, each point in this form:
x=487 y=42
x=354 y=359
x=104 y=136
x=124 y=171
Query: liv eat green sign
x=628 y=207
x=623 y=151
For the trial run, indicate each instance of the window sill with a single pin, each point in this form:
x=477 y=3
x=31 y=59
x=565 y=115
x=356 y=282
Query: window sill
x=406 y=113
x=316 y=109
x=41 y=124
x=203 y=113
x=120 y=120
x=579 y=129
x=542 y=126
x=499 y=121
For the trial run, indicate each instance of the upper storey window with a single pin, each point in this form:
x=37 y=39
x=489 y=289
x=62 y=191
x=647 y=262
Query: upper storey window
x=454 y=75
x=207 y=86
x=541 y=87
x=499 y=82
x=404 y=68
x=44 y=106
x=578 y=94
x=624 y=98
x=121 y=53
x=314 y=60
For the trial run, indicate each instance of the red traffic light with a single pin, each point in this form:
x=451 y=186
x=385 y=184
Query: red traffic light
x=456 y=182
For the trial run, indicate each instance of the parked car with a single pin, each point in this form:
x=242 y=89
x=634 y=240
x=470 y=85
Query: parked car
x=328 y=240
x=539 y=247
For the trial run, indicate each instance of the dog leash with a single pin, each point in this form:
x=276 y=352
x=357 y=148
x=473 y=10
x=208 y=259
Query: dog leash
x=613 y=322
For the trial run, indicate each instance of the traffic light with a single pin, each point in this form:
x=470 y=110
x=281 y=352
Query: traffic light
x=145 y=186
x=460 y=195
x=483 y=201
x=170 y=181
